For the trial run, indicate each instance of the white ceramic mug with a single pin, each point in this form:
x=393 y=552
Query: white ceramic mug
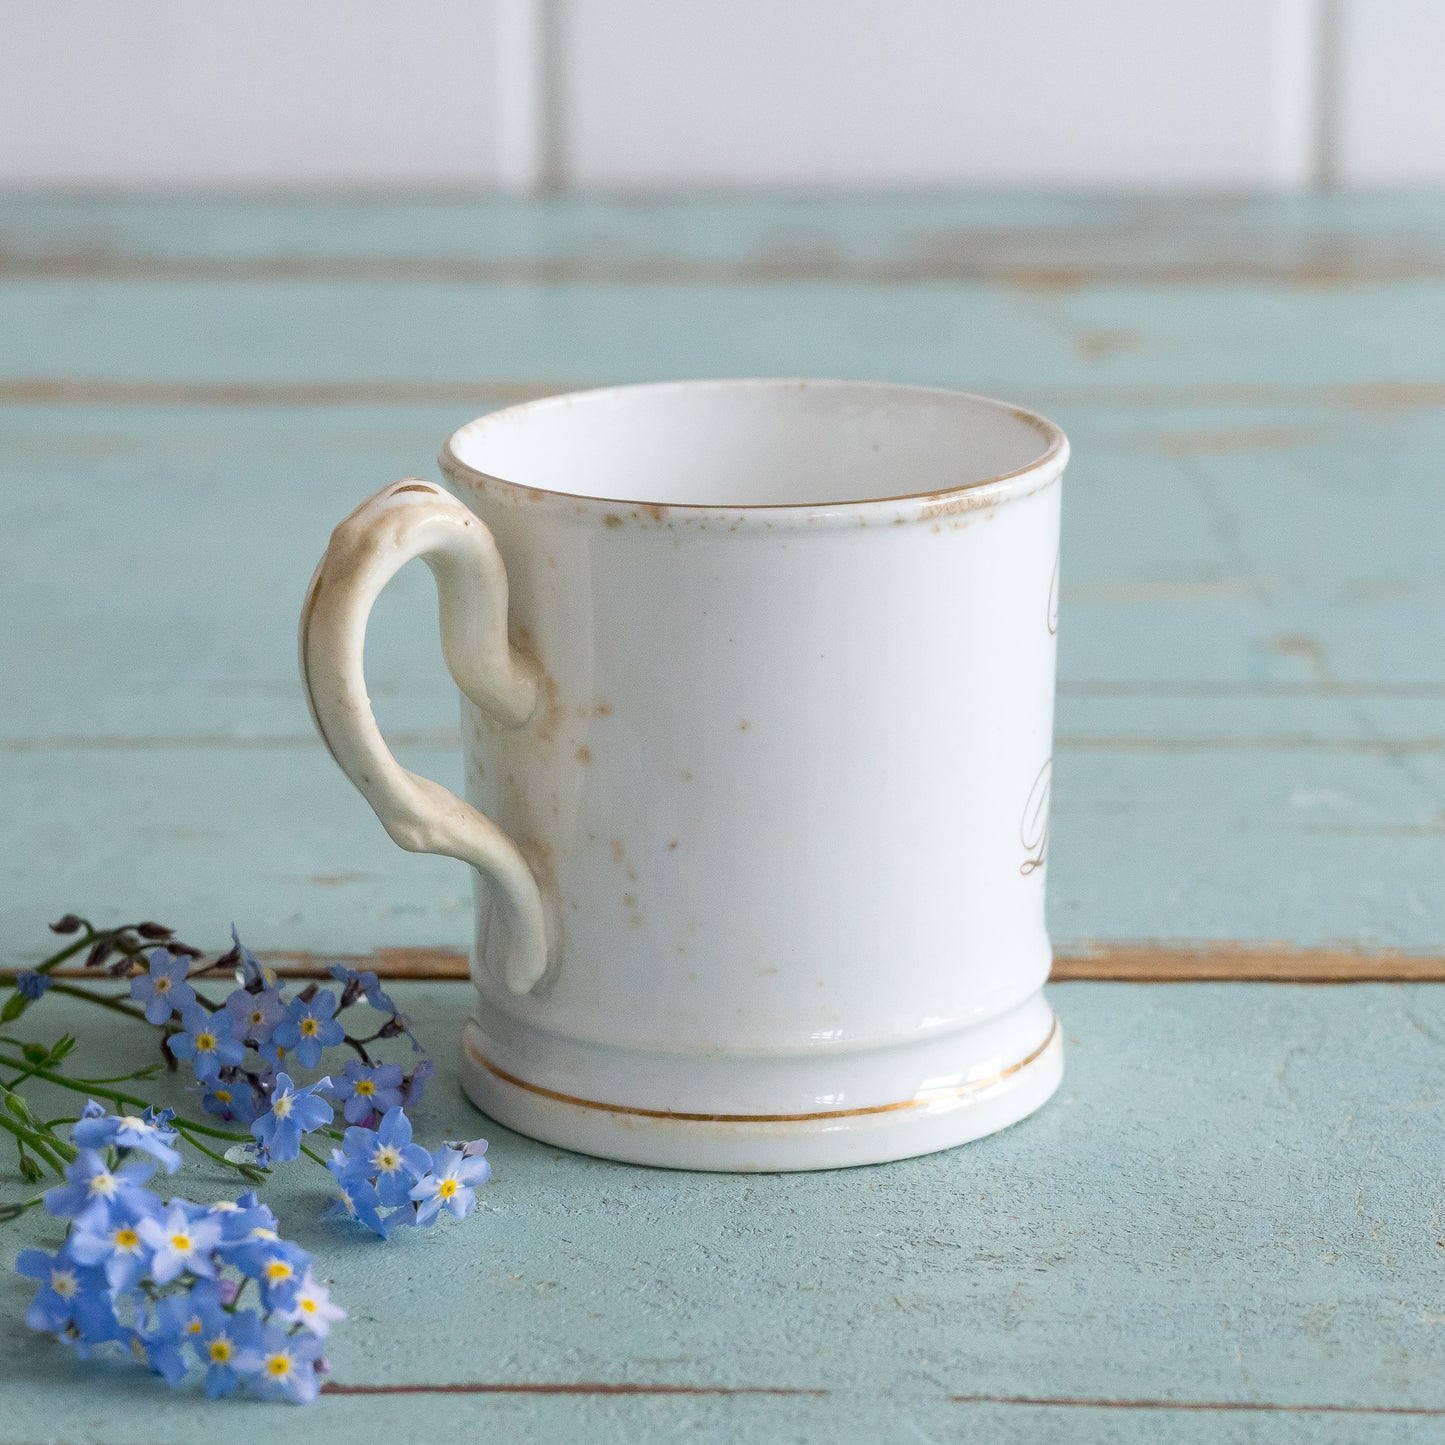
x=757 y=706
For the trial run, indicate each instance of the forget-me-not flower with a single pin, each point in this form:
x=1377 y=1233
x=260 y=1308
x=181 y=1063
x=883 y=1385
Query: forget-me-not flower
x=450 y=1184
x=368 y=1088
x=293 y=1112
x=387 y=1155
x=70 y=1295
x=208 y=1041
x=229 y=1346
x=230 y=1098
x=277 y=1266
x=112 y=1239
x=309 y=1027
x=288 y=1366
x=162 y=988
x=255 y=1015
x=149 y=1132
x=356 y=1199
x=312 y=1308
x=94 y=1187
x=181 y=1239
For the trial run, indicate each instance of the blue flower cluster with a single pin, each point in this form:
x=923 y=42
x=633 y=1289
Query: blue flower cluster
x=165 y=1279
x=384 y=1180
x=240 y=1047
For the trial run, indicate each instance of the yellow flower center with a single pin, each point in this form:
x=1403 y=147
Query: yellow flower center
x=224 y=1095
x=278 y=1365
x=220 y=1350
x=181 y=1243
x=194 y=1327
x=447 y=1188
x=282 y=1107
x=163 y=984
x=261 y=1232
x=309 y=1026
x=205 y=1042
x=102 y=1183
x=308 y=1304
x=365 y=1088
x=62 y=1282
x=277 y=1269
x=126 y=1237
x=258 y=1017
x=386 y=1159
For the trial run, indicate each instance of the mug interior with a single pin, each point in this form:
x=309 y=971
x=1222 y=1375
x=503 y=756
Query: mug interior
x=767 y=443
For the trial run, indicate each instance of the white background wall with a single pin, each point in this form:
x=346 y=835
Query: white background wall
x=649 y=95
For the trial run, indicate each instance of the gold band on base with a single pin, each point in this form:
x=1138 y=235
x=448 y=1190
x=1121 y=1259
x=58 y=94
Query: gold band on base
x=929 y=1096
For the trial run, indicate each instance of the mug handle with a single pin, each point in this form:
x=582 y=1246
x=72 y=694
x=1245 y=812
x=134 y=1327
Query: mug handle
x=407 y=520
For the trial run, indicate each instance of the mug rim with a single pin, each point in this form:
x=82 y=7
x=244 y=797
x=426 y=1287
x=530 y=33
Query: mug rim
x=1042 y=469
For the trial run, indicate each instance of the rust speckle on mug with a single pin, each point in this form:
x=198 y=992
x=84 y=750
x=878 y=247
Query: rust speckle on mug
x=743 y=725
x=618 y=851
x=602 y=709
x=672 y=845
x=956 y=505
x=687 y=777
x=612 y=520
x=584 y=755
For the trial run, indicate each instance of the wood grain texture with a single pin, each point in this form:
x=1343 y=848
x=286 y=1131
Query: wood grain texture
x=1228 y=1218
x=1227 y=1226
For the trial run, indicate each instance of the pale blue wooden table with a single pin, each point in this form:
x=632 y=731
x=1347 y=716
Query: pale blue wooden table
x=1228 y=1226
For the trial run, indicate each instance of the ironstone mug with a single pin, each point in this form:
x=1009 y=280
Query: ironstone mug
x=757 y=701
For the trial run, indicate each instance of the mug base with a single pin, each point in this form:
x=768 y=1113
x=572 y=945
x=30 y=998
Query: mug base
x=767 y=1144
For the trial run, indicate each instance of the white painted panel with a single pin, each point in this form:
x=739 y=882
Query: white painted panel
x=218 y=92
x=734 y=93
x=1390 y=125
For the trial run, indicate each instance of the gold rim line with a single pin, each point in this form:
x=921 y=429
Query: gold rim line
x=1053 y=435
x=928 y=1097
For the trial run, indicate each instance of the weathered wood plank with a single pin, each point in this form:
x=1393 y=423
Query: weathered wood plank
x=1015 y=343
x=1231 y=1214
x=1043 y=241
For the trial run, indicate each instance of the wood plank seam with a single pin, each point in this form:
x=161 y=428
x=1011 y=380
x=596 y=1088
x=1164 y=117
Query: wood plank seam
x=1076 y=1402
x=1426 y=394
x=1140 y=961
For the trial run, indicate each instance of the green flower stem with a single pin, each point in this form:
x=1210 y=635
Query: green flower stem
x=50 y=1155
x=90 y=1086
x=113 y=1004
x=69 y=951
x=311 y=1154
x=14 y=1211
x=37 y=1141
x=252 y=1172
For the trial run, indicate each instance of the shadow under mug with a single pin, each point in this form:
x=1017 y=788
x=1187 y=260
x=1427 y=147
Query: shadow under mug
x=757 y=702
